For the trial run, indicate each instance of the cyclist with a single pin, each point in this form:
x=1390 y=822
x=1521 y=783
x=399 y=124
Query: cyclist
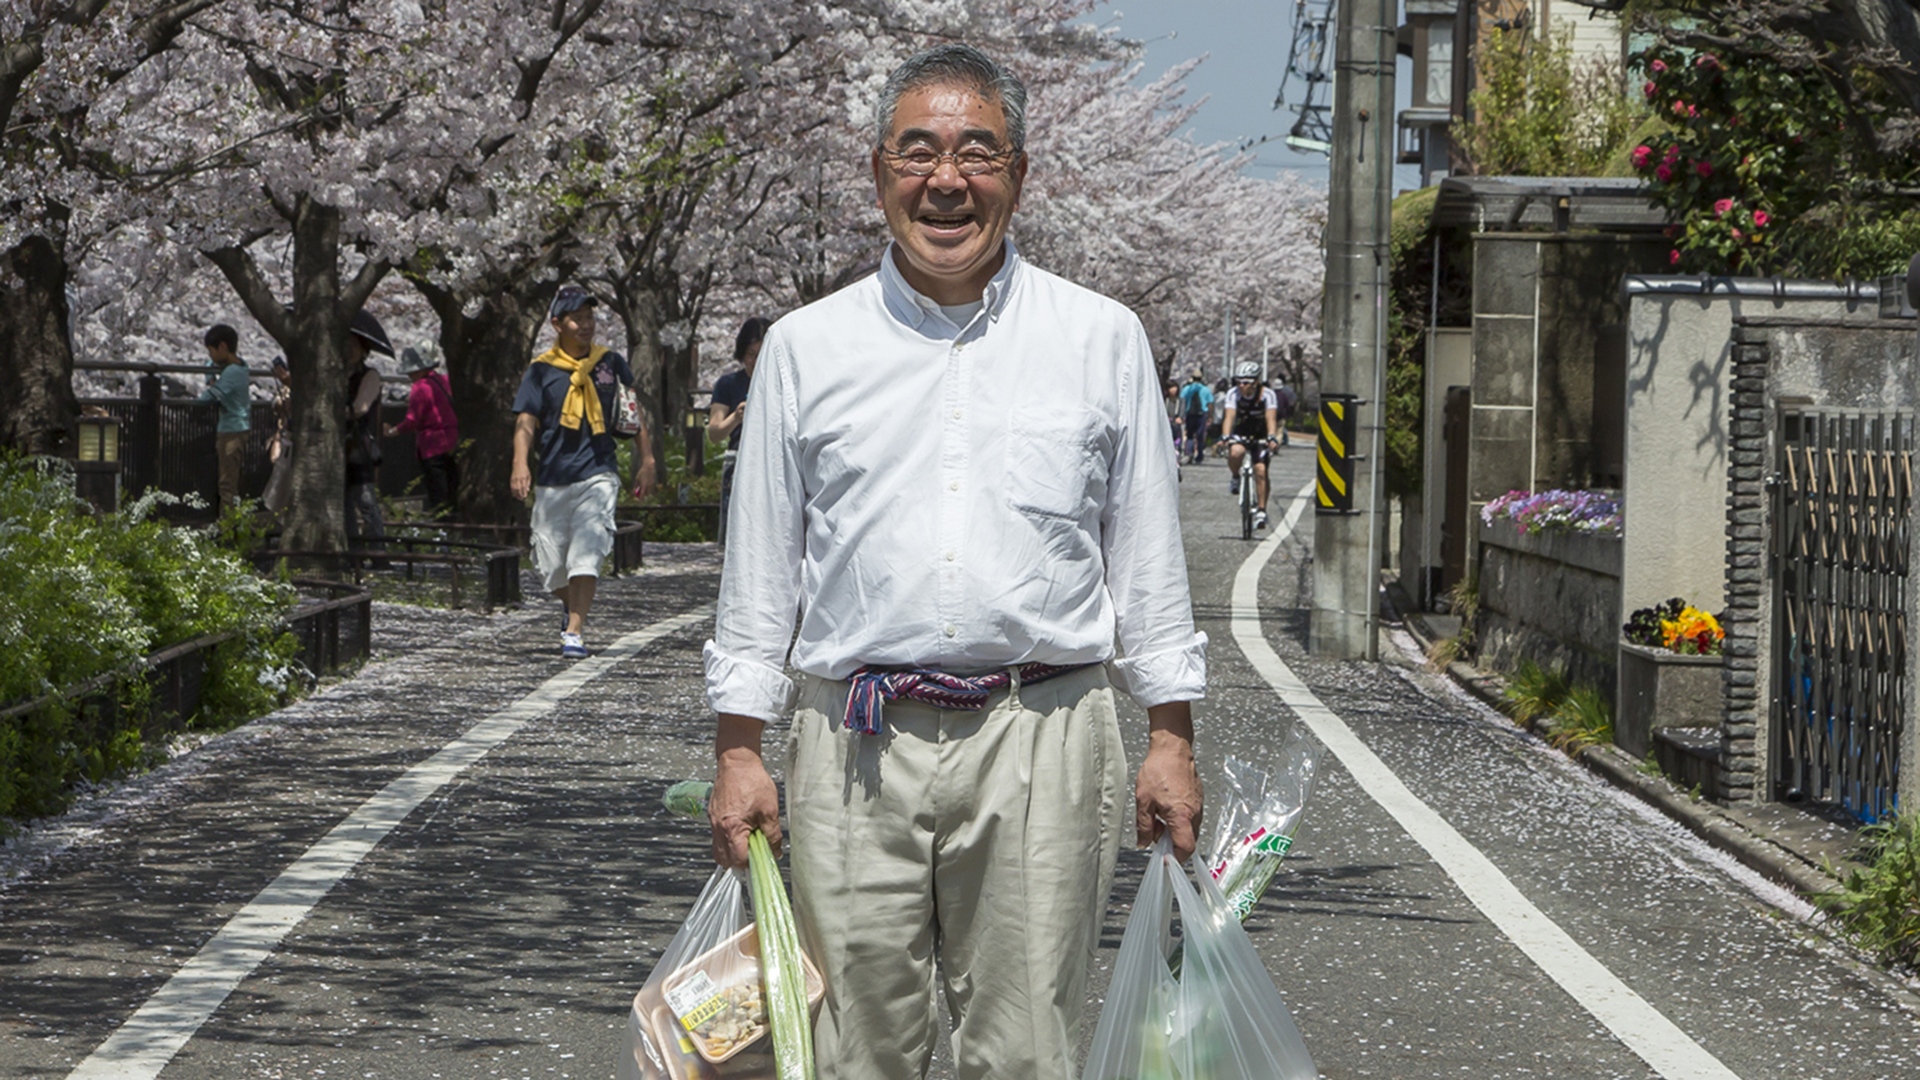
x=1196 y=404
x=1253 y=414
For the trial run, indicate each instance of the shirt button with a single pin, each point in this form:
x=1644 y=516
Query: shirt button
x=952 y=556
x=956 y=414
x=953 y=485
x=952 y=630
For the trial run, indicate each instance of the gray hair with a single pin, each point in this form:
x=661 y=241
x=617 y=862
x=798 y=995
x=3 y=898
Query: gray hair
x=961 y=65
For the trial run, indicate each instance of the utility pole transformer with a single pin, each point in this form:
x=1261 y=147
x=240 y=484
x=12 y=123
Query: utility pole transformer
x=1344 y=621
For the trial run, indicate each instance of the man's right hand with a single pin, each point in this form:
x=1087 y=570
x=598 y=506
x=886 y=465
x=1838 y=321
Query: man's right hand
x=522 y=482
x=744 y=797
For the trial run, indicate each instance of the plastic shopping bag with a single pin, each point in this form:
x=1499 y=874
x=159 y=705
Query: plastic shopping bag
x=1220 y=1019
x=1260 y=815
x=702 y=1014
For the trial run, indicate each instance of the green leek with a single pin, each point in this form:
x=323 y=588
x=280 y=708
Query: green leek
x=780 y=965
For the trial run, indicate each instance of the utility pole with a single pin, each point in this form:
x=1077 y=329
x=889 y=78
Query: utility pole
x=1344 y=621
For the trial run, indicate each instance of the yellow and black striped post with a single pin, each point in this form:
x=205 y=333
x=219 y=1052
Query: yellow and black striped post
x=1334 y=487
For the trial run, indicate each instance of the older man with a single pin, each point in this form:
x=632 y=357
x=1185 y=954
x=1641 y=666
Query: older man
x=956 y=477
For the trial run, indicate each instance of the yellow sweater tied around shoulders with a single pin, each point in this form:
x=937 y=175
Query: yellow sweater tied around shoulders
x=583 y=401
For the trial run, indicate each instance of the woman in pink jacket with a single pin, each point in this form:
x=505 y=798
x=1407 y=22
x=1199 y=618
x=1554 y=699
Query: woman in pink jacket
x=436 y=431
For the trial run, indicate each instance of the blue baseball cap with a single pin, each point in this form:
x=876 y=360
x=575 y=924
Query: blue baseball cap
x=570 y=298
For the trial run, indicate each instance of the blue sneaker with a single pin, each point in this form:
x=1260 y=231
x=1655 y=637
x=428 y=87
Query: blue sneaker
x=572 y=647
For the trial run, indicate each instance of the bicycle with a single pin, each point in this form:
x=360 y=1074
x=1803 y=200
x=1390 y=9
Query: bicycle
x=1249 y=502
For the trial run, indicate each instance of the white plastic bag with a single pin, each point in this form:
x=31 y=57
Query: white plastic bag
x=1220 y=1019
x=702 y=1013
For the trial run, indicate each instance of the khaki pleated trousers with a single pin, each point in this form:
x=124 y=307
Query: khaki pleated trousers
x=985 y=840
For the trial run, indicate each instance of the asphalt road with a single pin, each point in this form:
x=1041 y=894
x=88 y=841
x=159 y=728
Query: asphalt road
x=499 y=923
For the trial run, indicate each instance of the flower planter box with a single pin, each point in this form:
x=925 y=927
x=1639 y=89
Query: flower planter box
x=1662 y=689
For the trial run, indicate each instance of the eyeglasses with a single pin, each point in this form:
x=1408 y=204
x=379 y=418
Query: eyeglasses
x=969 y=160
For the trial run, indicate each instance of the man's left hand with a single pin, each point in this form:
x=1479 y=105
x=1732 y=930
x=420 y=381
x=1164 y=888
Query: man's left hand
x=1167 y=794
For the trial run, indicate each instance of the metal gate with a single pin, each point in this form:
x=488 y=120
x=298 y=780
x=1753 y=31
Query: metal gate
x=1843 y=491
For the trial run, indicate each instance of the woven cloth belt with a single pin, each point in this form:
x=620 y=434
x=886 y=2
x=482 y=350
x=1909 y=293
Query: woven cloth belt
x=873 y=687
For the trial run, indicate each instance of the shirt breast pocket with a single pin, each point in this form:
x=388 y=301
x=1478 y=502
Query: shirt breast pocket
x=1055 y=464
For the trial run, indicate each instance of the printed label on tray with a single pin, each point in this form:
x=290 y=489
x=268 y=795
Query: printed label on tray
x=695 y=1000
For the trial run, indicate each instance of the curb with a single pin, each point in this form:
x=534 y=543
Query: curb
x=1706 y=820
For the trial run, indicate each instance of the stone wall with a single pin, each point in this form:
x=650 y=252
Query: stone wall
x=1553 y=598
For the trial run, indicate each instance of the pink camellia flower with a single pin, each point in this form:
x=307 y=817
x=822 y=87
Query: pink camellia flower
x=1664 y=172
x=1704 y=168
x=1674 y=259
x=1641 y=155
x=1679 y=108
x=1736 y=234
x=1658 y=66
x=1708 y=61
x=1721 y=206
x=1648 y=89
x=1672 y=155
x=1760 y=219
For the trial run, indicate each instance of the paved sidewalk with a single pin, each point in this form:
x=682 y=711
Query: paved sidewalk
x=1788 y=845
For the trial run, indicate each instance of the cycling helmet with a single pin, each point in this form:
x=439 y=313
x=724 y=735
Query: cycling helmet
x=1247 y=370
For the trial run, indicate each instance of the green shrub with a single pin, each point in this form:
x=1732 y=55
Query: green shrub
x=1879 y=907
x=1533 y=691
x=1583 y=718
x=85 y=597
x=681 y=488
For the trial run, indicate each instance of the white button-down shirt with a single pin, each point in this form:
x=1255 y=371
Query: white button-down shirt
x=922 y=494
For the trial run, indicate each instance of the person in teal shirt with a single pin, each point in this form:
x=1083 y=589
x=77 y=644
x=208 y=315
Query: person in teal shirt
x=229 y=387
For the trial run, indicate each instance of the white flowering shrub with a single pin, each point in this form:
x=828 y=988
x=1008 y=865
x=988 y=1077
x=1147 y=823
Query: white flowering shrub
x=83 y=597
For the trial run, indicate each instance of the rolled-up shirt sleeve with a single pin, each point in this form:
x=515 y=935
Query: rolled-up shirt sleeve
x=760 y=585
x=1161 y=657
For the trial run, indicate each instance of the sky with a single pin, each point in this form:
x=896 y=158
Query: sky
x=1245 y=43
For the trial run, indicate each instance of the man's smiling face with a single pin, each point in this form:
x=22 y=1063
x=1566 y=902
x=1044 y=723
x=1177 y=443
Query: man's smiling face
x=950 y=228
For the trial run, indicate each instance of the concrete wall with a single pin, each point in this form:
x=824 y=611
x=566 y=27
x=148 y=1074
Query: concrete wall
x=1553 y=599
x=1539 y=301
x=1678 y=381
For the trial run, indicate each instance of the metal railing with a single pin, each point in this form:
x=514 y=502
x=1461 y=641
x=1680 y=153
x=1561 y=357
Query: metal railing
x=629 y=538
x=1842 y=502
x=493 y=567
x=335 y=631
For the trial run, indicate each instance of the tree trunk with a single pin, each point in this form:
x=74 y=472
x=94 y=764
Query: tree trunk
x=487 y=355
x=314 y=336
x=37 y=405
x=657 y=380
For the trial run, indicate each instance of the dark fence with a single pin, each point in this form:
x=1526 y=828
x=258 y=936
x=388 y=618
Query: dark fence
x=333 y=632
x=334 y=628
x=168 y=443
x=493 y=568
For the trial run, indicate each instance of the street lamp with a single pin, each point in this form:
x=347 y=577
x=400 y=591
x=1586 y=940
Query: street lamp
x=97 y=465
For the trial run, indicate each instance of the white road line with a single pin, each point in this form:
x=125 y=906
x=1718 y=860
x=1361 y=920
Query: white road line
x=1643 y=1028
x=143 y=1046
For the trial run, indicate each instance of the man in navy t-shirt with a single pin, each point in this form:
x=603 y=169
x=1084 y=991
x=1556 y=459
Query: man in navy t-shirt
x=728 y=407
x=565 y=407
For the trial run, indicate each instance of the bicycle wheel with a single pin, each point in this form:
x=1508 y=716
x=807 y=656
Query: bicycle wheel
x=1246 y=503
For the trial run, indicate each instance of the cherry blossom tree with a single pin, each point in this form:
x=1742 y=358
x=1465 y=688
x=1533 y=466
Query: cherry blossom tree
x=56 y=58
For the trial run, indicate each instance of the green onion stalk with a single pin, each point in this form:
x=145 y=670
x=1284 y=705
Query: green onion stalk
x=780 y=965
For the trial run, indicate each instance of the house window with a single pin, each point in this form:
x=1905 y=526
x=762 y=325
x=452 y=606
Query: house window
x=1439 y=85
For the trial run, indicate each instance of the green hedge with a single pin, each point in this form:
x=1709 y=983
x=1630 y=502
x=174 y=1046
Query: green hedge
x=85 y=596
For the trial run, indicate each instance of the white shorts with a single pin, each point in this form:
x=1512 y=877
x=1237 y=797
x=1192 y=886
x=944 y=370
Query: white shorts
x=573 y=528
